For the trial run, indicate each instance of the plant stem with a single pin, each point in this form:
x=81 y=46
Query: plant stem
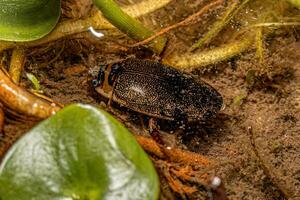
x=275 y=24
x=130 y=26
x=191 y=61
x=259 y=45
x=17 y=64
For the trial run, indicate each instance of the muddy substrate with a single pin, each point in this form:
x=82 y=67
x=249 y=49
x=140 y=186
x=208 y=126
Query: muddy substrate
x=270 y=107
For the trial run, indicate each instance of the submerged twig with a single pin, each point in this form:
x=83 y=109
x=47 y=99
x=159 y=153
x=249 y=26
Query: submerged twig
x=97 y=21
x=176 y=185
x=19 y=100
x=190 y=61
x=191 y=19
x=267 y=169
x=173 y=154
x=17 y=64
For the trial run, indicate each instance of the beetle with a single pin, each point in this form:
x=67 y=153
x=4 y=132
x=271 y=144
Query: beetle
x=157 y=90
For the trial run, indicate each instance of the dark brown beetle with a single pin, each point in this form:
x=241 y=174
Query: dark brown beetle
x=157 y=90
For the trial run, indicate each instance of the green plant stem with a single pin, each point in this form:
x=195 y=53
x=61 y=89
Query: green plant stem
x=275 y=24
x=219 y=25
x=17 y=64
x=190 y=61
x=259 y=45
x=130 y=26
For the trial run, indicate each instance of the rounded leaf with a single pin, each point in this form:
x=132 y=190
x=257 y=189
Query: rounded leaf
x=26 y=20
x=80 y=153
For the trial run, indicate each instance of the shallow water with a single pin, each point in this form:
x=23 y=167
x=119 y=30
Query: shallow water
x=270 y=106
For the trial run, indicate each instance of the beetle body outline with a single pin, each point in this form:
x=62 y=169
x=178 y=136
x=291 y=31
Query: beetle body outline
x=158 y=90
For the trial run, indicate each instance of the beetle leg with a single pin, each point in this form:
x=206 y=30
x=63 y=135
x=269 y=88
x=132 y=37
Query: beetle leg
x=112 y=80
x=110 y=100
x=111 y=95
x=155 y=134
x=144 y=128
x=180 y=117
x=113 y=74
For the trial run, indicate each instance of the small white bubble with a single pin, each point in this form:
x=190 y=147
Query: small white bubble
x=216 y=182
x=95 y=33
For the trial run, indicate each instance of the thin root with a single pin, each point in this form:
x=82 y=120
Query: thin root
x=172 y=154
x=189 y=20
x=267 y=169
x=188 y=174
x=175 y=184
x=219 y=25
x=22 y=101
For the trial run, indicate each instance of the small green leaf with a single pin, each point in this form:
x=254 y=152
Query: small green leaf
x=34 y=81
x=238 y=100
x=26 y=20
x=80 y=153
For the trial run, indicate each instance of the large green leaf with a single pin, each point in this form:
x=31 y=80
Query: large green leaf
x=80 y=153
x=26 y=20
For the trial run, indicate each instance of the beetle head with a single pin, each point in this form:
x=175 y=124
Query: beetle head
x=98 y=81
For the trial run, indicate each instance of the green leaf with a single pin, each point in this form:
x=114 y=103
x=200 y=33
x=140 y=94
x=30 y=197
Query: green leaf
x=34 y=81
x=79 y=153
x=26 y=20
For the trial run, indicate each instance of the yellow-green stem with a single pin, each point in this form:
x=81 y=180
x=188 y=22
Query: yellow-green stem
x=259 y=45
x=17 y=64
x=190 y=61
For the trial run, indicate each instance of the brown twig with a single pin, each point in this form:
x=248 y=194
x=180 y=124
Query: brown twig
x=187 y=173
x=173 y=154
x=284 y=191
x=189 y=20
x=175 y=184
x=21 y=101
